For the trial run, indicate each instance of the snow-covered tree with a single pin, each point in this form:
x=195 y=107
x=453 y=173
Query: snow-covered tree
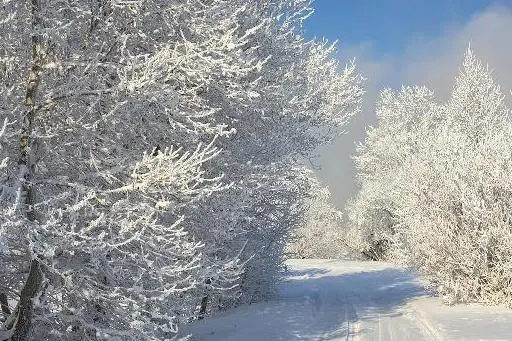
x=123 y=121
x=456 y=197
x=450 y=194
x=101 y=92
x=321 y=233
x=302 y=94
x=404 y=118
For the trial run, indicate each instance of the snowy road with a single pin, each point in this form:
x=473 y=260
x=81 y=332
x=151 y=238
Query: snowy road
x=327 y=300
x=344 y=300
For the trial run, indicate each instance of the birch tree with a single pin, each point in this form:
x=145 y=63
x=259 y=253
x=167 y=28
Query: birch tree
x=100 y=97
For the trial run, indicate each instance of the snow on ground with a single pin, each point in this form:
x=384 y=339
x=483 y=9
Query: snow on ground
x=358 y=301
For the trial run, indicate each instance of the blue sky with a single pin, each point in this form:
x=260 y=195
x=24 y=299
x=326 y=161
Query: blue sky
x=389 y=25
x=405 y=42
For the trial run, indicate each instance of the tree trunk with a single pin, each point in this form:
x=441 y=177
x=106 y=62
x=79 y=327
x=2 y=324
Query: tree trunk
x=4 y=304
x=25 y=305
x=202 y=309
x=34 y=280
x=204 y=300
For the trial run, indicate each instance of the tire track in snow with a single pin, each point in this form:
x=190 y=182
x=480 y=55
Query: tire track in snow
x=424 y=323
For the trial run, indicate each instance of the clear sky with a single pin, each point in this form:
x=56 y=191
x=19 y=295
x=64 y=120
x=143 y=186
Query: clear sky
x=389 y=24
x=409 y=42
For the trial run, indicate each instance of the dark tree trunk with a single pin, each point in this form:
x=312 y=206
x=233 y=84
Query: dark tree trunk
x=25 y=305
x=202 y=309
x=4 y=304
x=33 y=283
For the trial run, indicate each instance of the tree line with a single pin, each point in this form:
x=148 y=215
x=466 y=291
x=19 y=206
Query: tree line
x=151 y=154
x=435 y=187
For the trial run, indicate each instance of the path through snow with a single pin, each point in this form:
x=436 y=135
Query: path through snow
x=357 y=301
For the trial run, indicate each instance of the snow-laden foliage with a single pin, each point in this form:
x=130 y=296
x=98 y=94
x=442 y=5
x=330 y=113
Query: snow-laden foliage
x=450 y=196
x=150 y=174
x=456 y=195
x=403 y=118
x=322 y=233
x=301 y=95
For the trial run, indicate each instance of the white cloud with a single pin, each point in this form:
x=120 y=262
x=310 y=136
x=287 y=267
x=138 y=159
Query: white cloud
x=435 y=62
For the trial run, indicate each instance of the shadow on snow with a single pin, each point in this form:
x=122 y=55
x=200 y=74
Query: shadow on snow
x=317 y=306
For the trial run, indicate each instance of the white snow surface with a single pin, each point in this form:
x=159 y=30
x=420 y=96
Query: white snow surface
x=353 y=300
